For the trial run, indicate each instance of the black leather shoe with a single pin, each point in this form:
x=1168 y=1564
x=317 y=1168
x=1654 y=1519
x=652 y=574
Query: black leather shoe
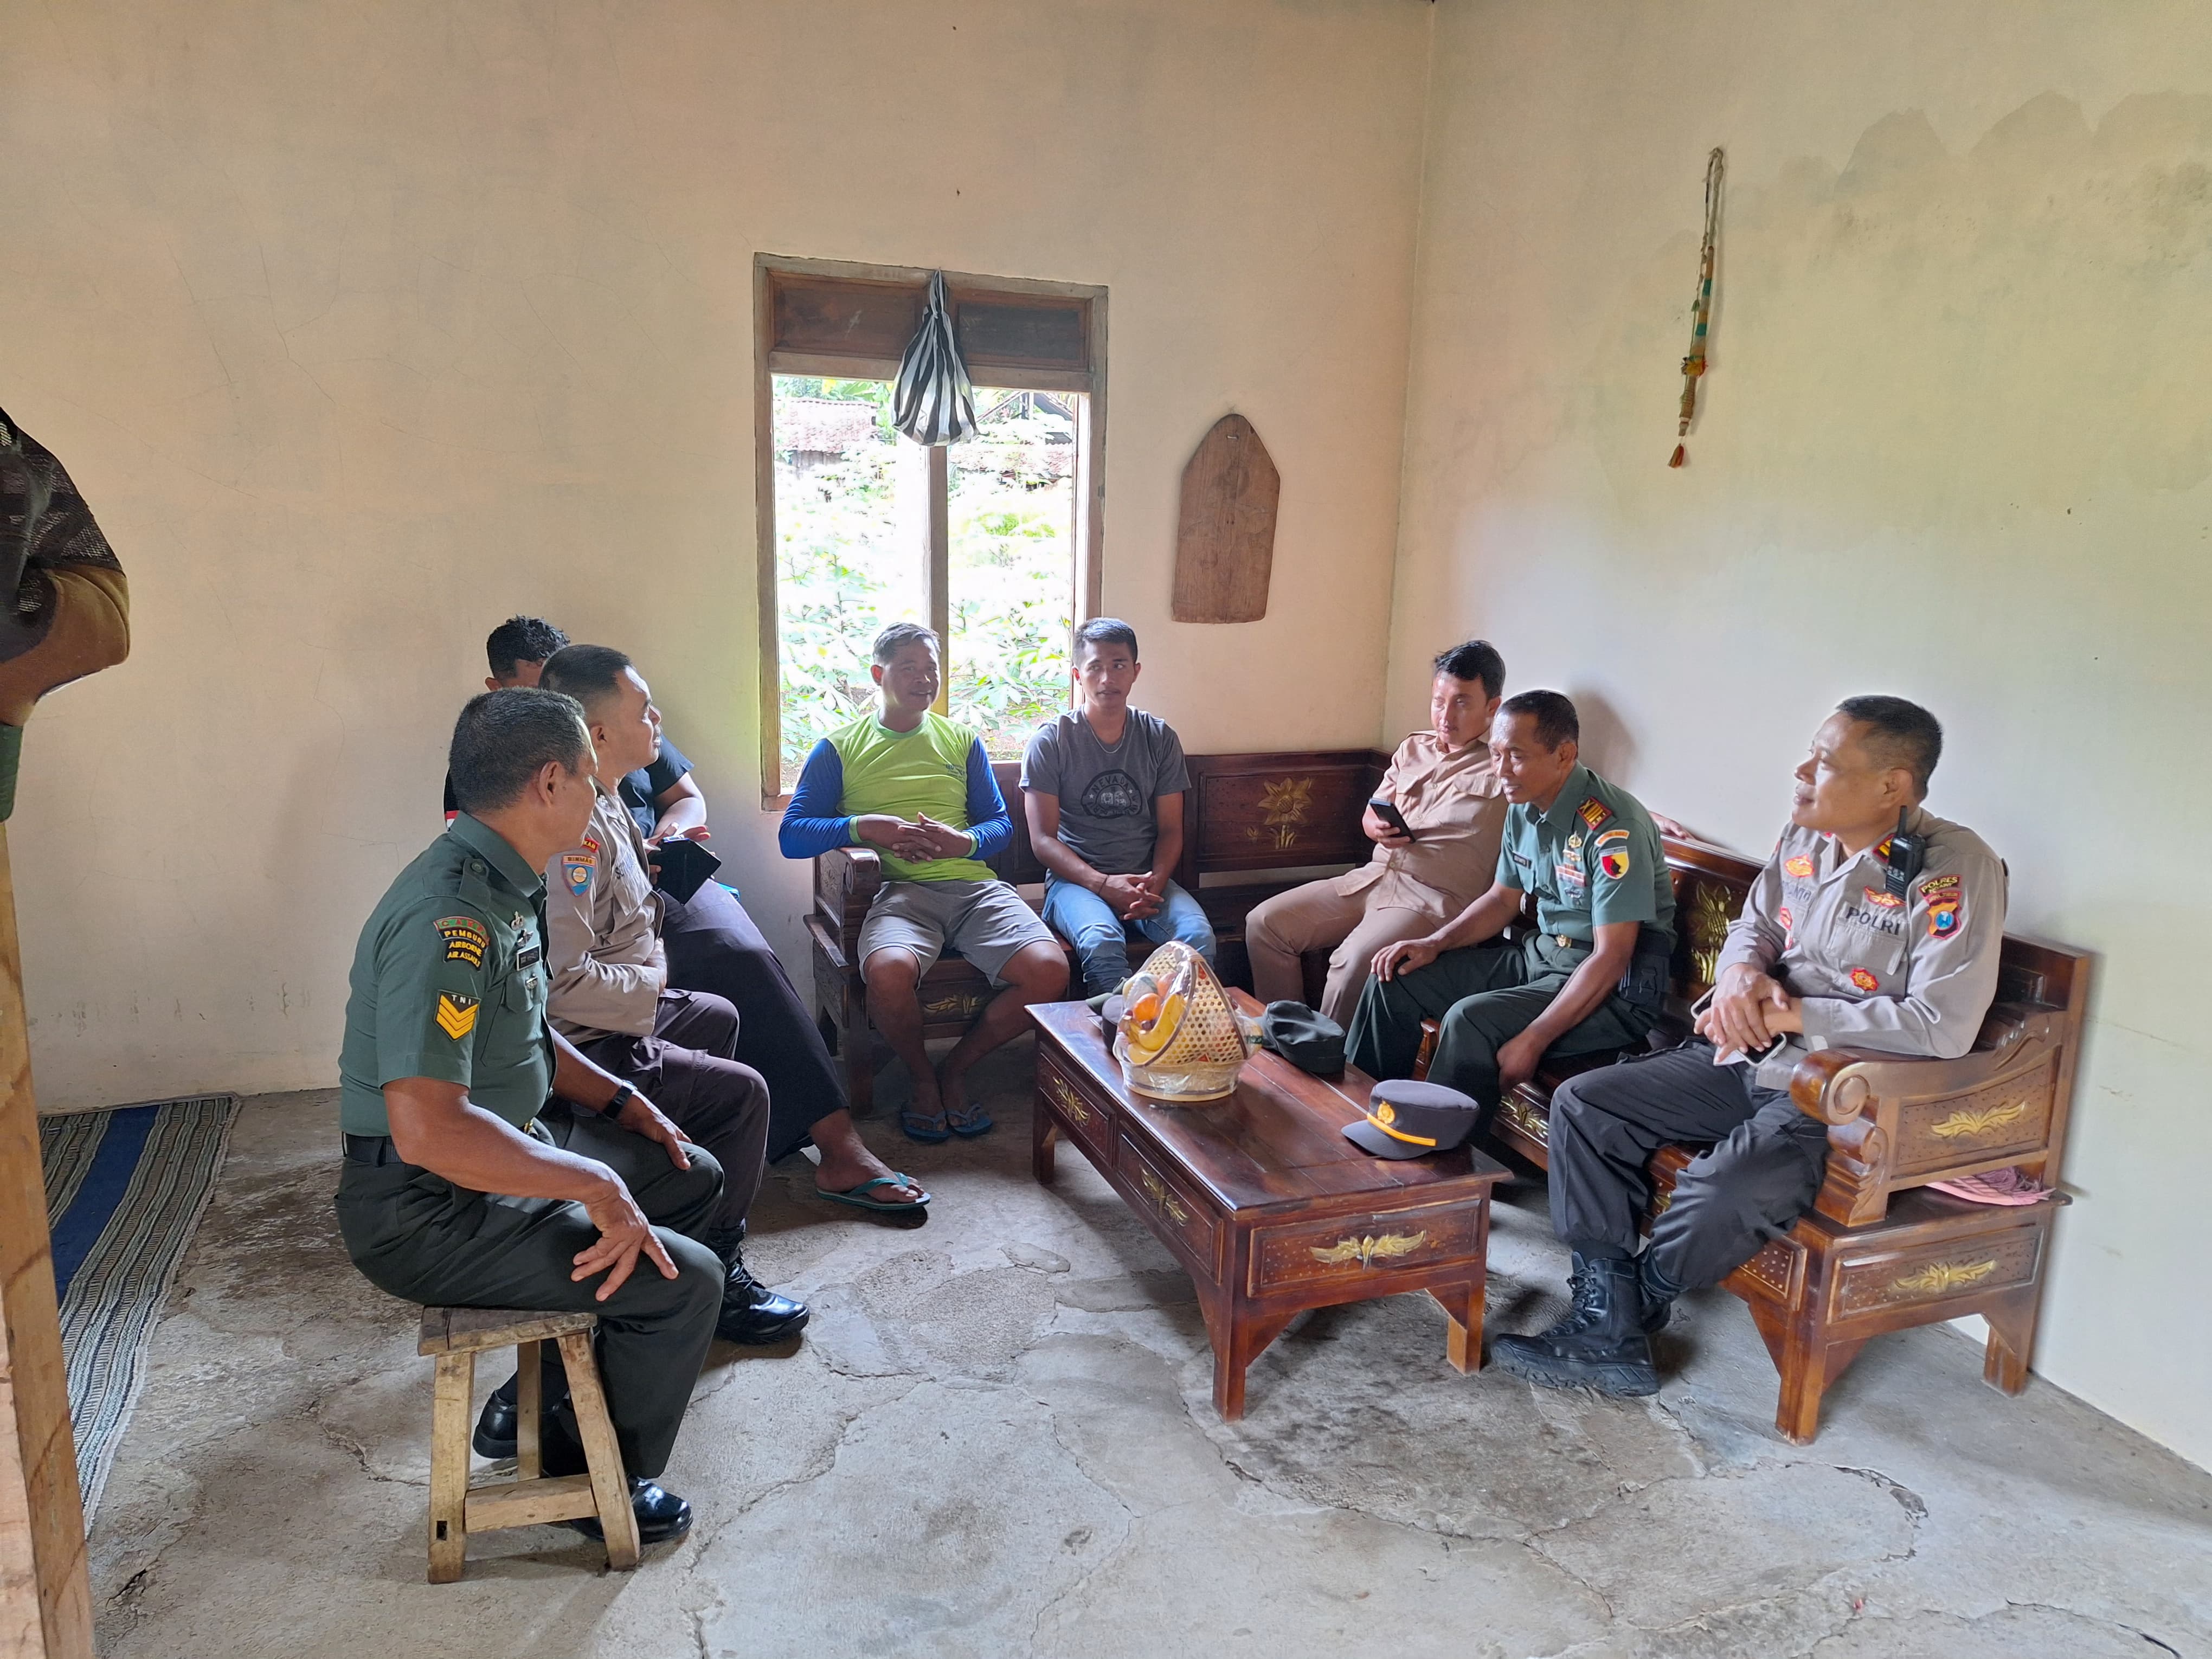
x=752 y=1315
x=1601 y=1345
x=495 y=1426
x=661 y=1515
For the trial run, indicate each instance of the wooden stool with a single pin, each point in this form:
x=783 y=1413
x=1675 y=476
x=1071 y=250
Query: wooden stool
x=456 y=1335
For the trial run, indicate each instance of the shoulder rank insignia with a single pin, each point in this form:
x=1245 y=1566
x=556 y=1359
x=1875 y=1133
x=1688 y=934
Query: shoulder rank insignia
x=457 y=1014
x=1882 y=899
x=1613 y=860
x=1595 y=811
x=1865 y=981
x=1800 y=866
x=576 y=871
x=466 y=939
x=1945 y=897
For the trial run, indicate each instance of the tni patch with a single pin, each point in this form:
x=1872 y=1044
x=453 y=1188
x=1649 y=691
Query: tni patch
x=1613 y=860
x=1612 y=835
x=466 y=939
x=576 y=871
x=457 y=1014
x=1595 y=811
x=1865 y=981
x=1801 y=867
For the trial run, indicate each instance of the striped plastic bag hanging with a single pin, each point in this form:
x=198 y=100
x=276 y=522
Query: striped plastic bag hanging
x=934 y=402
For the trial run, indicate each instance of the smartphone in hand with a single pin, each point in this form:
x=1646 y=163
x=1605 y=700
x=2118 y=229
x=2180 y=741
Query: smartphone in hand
x=1389 y=812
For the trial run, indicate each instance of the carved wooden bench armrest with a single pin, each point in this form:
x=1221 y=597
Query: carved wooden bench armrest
x=1895 y=1123
x=845 y=883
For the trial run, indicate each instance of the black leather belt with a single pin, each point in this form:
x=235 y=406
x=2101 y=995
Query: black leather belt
x=372 y=1149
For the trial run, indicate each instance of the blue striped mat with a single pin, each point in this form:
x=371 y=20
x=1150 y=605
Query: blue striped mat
x=124 y=1189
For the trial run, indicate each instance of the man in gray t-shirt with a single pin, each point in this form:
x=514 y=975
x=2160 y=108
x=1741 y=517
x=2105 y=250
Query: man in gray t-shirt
x=1102 y=787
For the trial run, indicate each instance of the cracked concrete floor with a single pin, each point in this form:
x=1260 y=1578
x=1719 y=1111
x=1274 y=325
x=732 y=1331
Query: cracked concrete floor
x=996 y=1439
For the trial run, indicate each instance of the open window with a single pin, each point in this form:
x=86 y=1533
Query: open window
x=993 y=541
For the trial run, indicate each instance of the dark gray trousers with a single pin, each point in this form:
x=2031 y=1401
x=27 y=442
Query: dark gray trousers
x=1481 y=997
x=1759 y=1175
x=712 y=947
x=420 y=1238
x=687 y=1068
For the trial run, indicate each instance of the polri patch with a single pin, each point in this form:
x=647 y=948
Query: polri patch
x=457 y=1014
x=576 y=870
x=1865 y=981
x=1800 y=866
x=1595 y=811
x=466 y=939
x=1882 y=898
x=1613 y=860
x=1946 y=899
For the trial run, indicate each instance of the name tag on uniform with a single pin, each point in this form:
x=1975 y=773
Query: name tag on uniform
x=529 y=952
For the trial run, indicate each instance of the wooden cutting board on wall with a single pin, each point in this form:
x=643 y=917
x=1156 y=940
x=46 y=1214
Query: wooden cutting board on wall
x=1225 y=541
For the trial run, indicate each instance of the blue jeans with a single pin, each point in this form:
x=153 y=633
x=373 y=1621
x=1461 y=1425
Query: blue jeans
x=1080 y=916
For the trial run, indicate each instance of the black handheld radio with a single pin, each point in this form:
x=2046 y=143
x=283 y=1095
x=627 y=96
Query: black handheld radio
x=1907 y=855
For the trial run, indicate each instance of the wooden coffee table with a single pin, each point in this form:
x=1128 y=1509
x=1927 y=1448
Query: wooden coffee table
x=1263 y=1199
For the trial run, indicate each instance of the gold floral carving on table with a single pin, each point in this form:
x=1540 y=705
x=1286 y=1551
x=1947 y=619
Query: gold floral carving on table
x=1532 y=1121
x=1071 y=1102
x=1708 y=925
x=1285 y=806
x=1973 y=1124
x=1938 y=1277
x=1162 y=1199
x=1366 y=1250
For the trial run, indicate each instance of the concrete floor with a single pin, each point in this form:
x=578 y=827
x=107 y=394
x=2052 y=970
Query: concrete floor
x=996 y=1439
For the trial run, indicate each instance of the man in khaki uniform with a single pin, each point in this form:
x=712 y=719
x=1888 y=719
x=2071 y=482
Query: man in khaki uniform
x=611 y=995
x=1444 y=787
x=1852 y=935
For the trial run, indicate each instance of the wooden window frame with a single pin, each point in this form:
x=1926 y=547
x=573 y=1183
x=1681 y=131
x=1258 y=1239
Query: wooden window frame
x=858 y=353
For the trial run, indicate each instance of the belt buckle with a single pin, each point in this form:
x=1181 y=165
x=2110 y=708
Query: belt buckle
x=1563 y=942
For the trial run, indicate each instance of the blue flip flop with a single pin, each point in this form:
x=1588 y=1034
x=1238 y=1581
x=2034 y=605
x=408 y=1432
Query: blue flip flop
x=852 y=1195
x=929 y=1131
x=970 y=1123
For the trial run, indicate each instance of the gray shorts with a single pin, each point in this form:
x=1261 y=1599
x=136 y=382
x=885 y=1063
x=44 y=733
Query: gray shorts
x=986 y=921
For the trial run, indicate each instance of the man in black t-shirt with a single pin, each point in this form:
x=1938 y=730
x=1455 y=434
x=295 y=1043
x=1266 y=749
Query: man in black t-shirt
x=712 y=947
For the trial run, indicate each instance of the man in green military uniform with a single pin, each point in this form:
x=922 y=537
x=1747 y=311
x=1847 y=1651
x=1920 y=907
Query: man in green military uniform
x=1593 y=976
x=488 y=1163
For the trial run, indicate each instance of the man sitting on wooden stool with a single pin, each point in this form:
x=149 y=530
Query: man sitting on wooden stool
x=1448 y=794
x=446 y=1074
x=1594 y=975
x=1103 y=786
x=1875 y=925
x=859 y=785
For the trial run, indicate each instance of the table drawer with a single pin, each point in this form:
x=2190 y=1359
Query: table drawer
x=1170 y=1205
x=1940 y=1270
x=1076 y=1102
x=1296 y=1255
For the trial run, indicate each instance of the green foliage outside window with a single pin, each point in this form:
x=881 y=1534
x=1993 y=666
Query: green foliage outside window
x=851 y=521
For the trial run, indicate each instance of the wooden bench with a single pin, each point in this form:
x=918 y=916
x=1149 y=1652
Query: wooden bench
x=1878 y=1252
x=1243 y=813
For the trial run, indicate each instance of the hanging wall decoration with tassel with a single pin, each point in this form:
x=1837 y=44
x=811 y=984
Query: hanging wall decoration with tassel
x=1701 y=309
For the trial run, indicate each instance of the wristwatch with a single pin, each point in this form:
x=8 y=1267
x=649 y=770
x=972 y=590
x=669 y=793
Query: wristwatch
x=625 y=1093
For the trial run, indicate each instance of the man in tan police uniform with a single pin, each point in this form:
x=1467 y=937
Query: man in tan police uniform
x=1444 y=787
x=1852 y=936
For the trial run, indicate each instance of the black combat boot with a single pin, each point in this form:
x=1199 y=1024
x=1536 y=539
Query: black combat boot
x=752 y=1315
x=1601 y=1344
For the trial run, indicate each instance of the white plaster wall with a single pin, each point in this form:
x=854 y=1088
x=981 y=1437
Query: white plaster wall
x=1957 y=445
x=364 y=323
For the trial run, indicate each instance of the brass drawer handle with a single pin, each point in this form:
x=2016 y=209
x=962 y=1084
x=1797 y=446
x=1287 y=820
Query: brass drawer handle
x=1973 y=1124
x=1938 y=1277
x=1162 y=1199
x=1070 y=1102
x=1365 y=1250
